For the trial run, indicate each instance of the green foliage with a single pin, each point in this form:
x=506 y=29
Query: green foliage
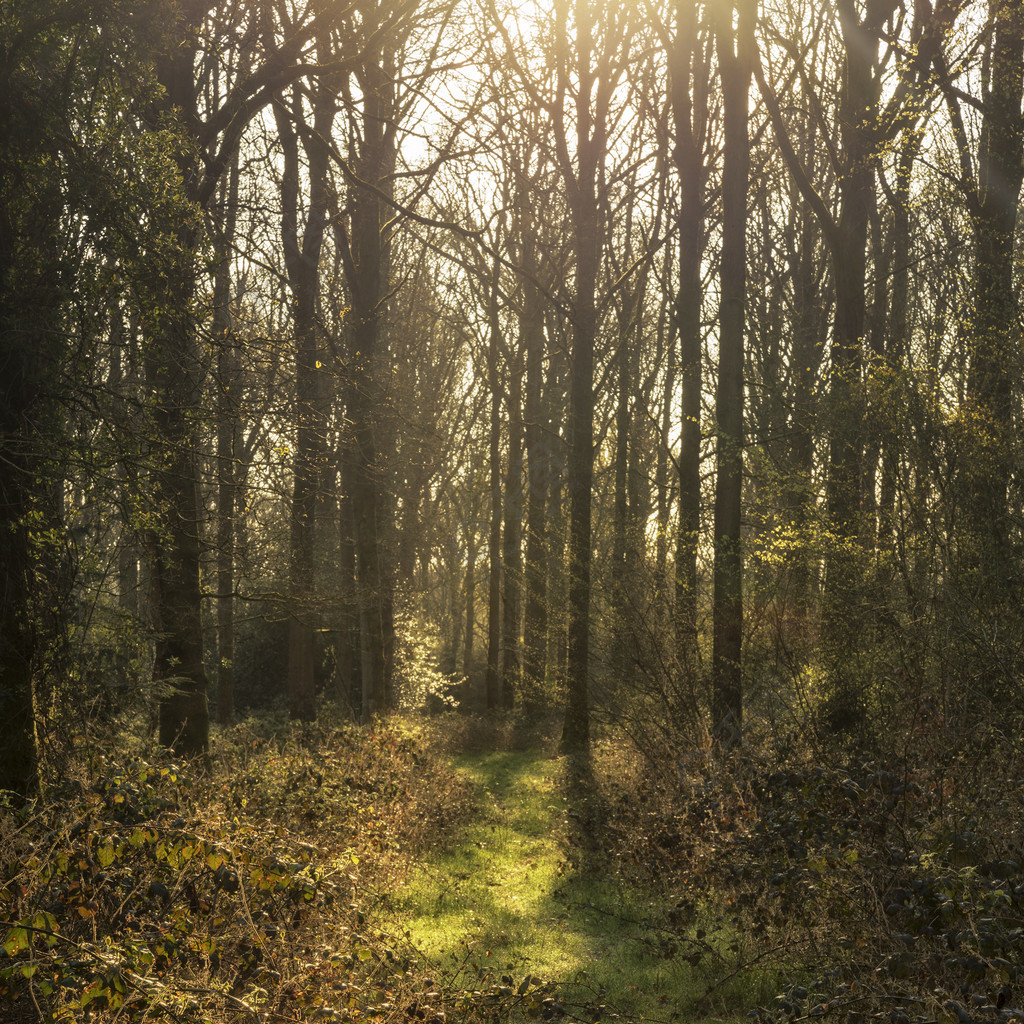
x=86 y=203
x=419 y=683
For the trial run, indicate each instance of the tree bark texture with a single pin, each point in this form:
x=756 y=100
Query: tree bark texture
x=366 y=264
x=493 y=678
x=538 y=470
x=842 y=609
x=735 y=58
x=690 y=116
x=228 y=439
x=994 y=348
x=18 y=639
x=172 y=373
x=512 y=551
x=302 y=248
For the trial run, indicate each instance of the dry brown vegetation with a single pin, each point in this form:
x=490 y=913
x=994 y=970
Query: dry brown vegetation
x=875 y=887
x=879 y=887
x=146 y=889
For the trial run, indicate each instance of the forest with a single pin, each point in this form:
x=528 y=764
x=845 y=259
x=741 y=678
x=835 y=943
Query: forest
x=511 y=510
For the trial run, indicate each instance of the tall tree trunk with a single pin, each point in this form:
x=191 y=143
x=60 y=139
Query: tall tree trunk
x=735 y=58
x=620 y=516
x=842 y=609
x=806 y=355
x=580 y=476
x=227 y=427
x=558 y=566
x=639 y=503
x=123 y=376
x=690 y=116
x=538 y=459
x=347 y=668
x=365 y=260
x=898 y=343
x=302 y=248
x=172 y=374
x=589 y=97
x=662 y=486
x=18 y=391
x=995 y=339
x=228 y=406
x=876 y=329
x=470 y=594
x=512 y=554
x=493 y=677
x=366 y=486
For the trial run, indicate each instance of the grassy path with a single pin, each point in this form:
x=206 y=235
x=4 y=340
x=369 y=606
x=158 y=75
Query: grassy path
x=506 y=893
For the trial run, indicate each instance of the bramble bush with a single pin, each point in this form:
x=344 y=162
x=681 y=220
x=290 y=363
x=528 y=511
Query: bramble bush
x=881 y=889
x=147 y=889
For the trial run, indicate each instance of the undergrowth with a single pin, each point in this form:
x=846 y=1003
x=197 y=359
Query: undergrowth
x=260 y=886
x=891 y=888
x=146 y=889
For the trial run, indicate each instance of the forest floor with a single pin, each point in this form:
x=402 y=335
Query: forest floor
x=433 y=871
x=517 y=889
x=669 y=887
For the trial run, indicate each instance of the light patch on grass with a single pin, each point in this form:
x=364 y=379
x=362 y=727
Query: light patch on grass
x=506 y=896
x=493 y=890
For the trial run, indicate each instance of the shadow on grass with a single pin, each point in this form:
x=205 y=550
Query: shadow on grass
x=524 y=893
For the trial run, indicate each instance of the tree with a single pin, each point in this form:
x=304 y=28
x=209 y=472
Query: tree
x=378 y=94
x=984 y=589
x=538 y=464
x=492 y=683
x=689 y=96
x=74 y=181
x=993 y=202
x=735 y=50
x=592 y=43
x=228 y=416
x=33 y=283
x=206 y=137
x=864 y=128
x=302 y=262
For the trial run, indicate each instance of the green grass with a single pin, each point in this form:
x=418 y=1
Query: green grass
x=506 y=896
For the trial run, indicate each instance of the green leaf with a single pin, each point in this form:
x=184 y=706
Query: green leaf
x=94 y=991
x=45 y=921
x=17 y=941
